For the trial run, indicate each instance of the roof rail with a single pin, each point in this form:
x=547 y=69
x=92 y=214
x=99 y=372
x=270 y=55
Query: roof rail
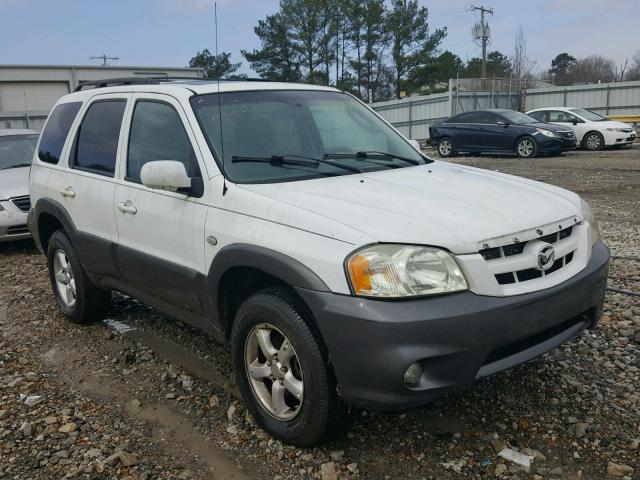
x=114 y=82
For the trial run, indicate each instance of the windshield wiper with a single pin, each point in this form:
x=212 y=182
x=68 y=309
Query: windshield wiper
x=298 y=160
x=19 y=165
x=372 y=154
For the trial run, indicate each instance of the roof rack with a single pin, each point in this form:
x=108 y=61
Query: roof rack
x=114 y=82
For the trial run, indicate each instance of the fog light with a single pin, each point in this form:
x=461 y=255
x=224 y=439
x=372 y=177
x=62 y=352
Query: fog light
x=412 y=375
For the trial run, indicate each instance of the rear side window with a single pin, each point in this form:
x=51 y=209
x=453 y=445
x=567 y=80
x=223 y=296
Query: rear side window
x=540 y=116
x=96 y=144
x=157 y=133
x=56 y=131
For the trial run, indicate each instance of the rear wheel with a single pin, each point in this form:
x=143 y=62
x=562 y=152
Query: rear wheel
x=446 y=147
x=79 y=300
x=526 y=147
x=282 y=369
x=593 y=141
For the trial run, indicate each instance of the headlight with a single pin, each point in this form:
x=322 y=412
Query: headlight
x=547 y=133
x=594 y=229
x=620 y=130
x=392 y=271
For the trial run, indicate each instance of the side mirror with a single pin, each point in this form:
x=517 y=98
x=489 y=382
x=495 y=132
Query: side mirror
x=575 y=121
x=415 y=144
x=165 y=175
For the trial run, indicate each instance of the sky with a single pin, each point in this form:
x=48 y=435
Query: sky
x=169 y=32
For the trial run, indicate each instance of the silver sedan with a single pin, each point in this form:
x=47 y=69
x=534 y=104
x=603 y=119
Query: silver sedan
x=16 y=152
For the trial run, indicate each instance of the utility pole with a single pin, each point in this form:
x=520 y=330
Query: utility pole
x=104 y=59
x=482 y=33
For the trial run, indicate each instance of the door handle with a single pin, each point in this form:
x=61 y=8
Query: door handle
x=68 y=192
x=127 y=207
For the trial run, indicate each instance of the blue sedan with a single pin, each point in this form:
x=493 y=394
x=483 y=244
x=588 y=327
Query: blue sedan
x=499 y=131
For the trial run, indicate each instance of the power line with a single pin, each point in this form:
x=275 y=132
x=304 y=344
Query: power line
x=104 y=59
x=482 y=33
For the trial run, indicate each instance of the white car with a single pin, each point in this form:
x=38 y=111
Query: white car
x=291 y=221
x=16 y=151
x=593 y=131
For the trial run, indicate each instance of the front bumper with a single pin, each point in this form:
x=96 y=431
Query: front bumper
x=619 y=138
x=556 y=145
x=13 y=223
x=456 y=338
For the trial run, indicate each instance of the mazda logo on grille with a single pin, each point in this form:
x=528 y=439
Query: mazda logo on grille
x=546 y=257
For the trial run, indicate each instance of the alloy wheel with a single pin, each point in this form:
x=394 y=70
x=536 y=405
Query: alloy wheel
x=444 y=148
x=65 y=280
x=526 y=147
x=274 y=372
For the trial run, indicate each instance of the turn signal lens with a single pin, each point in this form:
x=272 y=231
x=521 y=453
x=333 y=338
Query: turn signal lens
x=390 y=271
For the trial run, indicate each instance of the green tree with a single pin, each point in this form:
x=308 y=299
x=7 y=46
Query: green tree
x=561 y=68
x=440 y=69
x=276 y=59
x=411 y=43
x=498 y=65
x=308 y=22
x=214 y=66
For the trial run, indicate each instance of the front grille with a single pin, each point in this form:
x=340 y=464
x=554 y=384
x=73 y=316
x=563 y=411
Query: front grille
x=524 y=275
x=569 y=135
x=22 y=203
x=17 y=230
x=506 y=351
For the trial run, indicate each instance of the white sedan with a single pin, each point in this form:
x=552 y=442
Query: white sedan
x=16 y=151
x=593 y=131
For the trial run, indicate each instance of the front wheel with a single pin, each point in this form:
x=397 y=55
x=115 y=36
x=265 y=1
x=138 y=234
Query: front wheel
x=446 y=147
x=526 y=147
x=282 y=369
x=594 y=141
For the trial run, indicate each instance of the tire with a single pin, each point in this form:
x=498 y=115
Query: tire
x=446 y=147
x=277 y=316
x=526 y=147
x=593 y=141
x=79 y=300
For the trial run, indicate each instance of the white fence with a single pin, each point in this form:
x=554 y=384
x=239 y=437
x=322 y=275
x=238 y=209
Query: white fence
x=413 y=115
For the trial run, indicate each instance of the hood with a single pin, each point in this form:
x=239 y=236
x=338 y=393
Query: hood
x=613 y=124
x=439 y=204
x=552 y=127
x=14 y=182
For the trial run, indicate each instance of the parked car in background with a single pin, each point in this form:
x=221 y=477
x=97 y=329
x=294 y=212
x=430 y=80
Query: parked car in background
x=499 y=131
x=593 y=131
x=16 y=152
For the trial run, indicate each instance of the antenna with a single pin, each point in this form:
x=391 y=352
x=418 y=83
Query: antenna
x=224 y=177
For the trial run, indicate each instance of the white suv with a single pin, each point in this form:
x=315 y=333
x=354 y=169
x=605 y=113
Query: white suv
x=593 y=131
x=341 y=265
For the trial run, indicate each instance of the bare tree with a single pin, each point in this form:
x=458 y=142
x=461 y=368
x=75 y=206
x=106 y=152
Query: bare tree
x=594 y=69
x=522 y=66
x=634 y=71
x=619 y=74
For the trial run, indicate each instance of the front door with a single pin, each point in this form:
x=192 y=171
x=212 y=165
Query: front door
x=161 y=233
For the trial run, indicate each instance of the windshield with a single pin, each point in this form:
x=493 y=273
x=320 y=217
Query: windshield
x=589 y=115
x=518 y=118
x=282 y=135
x=17 y=150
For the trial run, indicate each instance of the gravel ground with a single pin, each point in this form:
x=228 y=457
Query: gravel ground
x=147 y=397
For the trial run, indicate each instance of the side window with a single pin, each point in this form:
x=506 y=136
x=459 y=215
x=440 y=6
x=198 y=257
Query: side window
x=486 y=117
x=558 y=116
x=462 y=118
x=56 y=131
x=540 y=116
x=96 y=144
x=157 y=133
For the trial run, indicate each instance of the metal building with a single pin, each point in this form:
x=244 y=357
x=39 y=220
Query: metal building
x=27 y=92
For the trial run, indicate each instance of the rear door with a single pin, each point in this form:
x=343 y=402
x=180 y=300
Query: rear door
x=161 y=233
x=464 y=131
x=85 y=183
